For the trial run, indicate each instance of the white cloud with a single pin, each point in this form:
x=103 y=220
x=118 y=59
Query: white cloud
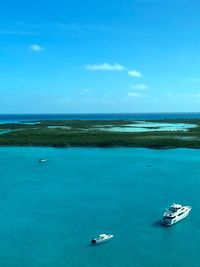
x=132 y=94
x=135 y=73
x=139 y=86
x=86 y=90
x=36 y=47
x=105 y=67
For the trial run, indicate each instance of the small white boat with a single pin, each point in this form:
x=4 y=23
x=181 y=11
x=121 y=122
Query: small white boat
x=175 y=214
x=42 y=160
x=102 y=238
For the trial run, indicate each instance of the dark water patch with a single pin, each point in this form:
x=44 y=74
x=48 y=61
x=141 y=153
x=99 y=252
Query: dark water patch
x=11 y=118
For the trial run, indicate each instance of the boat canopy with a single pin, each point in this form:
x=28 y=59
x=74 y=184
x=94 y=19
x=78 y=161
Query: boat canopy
x=102 y=235
x=176 y=206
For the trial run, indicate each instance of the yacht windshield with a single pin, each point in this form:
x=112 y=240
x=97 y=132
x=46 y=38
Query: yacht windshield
x=172 y=209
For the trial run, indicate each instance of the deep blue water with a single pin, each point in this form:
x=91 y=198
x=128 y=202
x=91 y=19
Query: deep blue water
x=5 y=118
x=50 y=212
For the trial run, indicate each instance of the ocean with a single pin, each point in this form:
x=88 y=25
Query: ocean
x=51 y=211
x=12 y=118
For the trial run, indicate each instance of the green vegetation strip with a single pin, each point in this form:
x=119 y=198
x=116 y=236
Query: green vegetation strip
x=86 y=134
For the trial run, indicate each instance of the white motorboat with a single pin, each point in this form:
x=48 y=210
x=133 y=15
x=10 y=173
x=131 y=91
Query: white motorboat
x=42 y=160
x=101 y=238
x=175 y=214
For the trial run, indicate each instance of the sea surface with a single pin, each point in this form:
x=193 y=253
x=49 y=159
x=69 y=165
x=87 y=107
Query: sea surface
x=50 y=211
x=11 y=118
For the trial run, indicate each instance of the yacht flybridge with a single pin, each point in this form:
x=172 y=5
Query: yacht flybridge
x=175 y=213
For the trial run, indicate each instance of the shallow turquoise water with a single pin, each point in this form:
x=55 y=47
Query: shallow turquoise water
x=8 y=131
x=50 y=211
x=145 y=126
x=59 y=127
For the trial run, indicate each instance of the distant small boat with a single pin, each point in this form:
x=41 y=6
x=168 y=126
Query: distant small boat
x=175 y=214
x=42 y=160
x=101 y=238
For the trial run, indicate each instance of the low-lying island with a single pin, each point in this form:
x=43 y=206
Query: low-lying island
x=173 y=133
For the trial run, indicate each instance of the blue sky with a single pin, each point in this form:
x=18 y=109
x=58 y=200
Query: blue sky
x=99 y=56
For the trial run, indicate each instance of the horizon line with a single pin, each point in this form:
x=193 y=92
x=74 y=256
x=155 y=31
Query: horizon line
x=101 y=113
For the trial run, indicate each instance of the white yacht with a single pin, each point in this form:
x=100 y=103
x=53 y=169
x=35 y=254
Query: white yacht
x=42 y=160
x=101 y=238
x=175 y=213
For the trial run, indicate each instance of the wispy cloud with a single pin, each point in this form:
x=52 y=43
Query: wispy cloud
x=195 y=95
x=139 y=86
x=86 y=90
x=135 y=73
x=58 y=29
x=36 y=48
x=105 y=67
x=4 y=31
x=194 y=80
x=133 y=94
x=155 y=1
x=91 y=29
x=13 y=27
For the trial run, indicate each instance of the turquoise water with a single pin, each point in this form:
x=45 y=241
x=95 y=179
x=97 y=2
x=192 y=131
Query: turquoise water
x=8 y=131
x=5 y=131
x=11 y=118
x=59 y=127
x=150 y=127
x=51 y=211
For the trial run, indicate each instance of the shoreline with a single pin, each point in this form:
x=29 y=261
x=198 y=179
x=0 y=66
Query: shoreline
x=152 y=134
x=99 y=147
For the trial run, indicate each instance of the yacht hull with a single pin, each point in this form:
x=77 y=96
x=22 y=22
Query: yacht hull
x=99 y=240
x=178 y=218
